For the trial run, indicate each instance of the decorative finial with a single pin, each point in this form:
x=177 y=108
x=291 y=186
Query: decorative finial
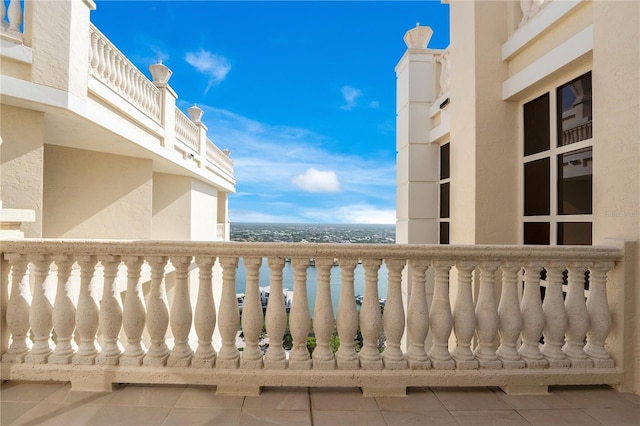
x=417 y=24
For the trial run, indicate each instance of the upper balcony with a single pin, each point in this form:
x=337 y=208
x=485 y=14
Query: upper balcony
x=56 y=62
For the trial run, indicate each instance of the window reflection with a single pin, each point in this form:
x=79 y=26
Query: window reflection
x=575 y=111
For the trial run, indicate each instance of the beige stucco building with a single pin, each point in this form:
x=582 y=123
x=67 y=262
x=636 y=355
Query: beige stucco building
x=526 y=130
x=93 y=147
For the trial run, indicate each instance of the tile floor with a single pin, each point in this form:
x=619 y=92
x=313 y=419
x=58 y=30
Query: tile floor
x=55 y=404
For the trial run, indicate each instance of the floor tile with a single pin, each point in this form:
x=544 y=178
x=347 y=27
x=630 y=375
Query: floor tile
x=341 y=399
x=632 y=397
x=592 y=397
x=470 y=399
x=615 y=416
x=348 y=418
x=423 y=418
x=12 y=410
x=414 y=401
x=489 y=417
x=533 y=402
x=253 y=417
x=205 y=397
x=292 y=399
x=149 y=396
x=67 y=396
x=138 y=416
x=59 y=415
x=192 y=417
x=553 y=417
x=28 y=391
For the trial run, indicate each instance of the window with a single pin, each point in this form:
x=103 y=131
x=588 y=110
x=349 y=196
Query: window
x=444 y=184
x=558 y=176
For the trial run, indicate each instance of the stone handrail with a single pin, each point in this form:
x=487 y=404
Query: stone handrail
x=517 y=317
x=186 y=131
x=11 y=19
x=113 y=68
x=219 y=158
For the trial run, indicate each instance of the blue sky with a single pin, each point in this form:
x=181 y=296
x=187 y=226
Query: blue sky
x=301 y=92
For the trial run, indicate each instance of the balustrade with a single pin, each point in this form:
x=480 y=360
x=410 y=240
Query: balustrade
x=533 y=334
x=110 y=66
x=11 y=19
x=187 y=131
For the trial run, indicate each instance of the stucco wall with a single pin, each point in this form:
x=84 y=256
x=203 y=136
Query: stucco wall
x=204 y=212
x=88 y=194
x=21 y=157
x=171 y=207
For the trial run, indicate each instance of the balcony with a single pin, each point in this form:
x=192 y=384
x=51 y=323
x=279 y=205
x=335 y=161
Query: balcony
x=98 y=313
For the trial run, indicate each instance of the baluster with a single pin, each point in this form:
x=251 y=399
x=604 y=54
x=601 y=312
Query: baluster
x=14 y=13
x=134 y=313
x=393 y=318
x=3 y=13
x=128 y=83
x=205 y=315
x=464 y=318
x=86 y=313
x=18 y=309
x=40 y=314
x=300 y=319
x=119 y=77
x=347 y=321
x=181 y=315
x=370 y=316
x=64 y=313
x=101 y=58
x=110 y=312
x=440 y=318
x=533 y=317
x=555 y=318
x=107 y=63
x=229 y=317
x=157 y=314
x=578 y=315
x=95 y=60
x=252 y=317
x=487 y=317
x=275 y=318
x=418 y=316
x=323 y=319
x=510 y=317
x=599 y=315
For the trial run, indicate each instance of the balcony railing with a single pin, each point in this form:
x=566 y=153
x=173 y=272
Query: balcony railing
x=508 y=339
x=187 y=131
x=11 y=19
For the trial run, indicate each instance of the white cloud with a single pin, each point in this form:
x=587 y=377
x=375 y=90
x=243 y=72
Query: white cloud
x=216 y=67
x=350 y=95
x=356 y=213
x=313 y=180
x=374 y=104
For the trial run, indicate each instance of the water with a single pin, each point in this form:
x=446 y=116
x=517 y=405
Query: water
x=312 y=281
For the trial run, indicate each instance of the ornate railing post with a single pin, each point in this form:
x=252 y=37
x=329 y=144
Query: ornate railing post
x=40 y=314
x=228 y=316
x=578 y=315
x=370 y=317
x=252 y=317
x=393 y=319
x=181 y=314
x=87 y=313
x=157 y=314
x=275 y=318
x=323 y=319
x=134 y=314
x=299 y=318
x=418 y=317
x=464 y=318
x=440 y=318
x=533 y=317
x=487 y=316
x=599 y=316
x=64 y=313
x=18 y=309
x=347 y=321
x=110 y=312
x=555 y=318
x=205 y=316
x=510 y=317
